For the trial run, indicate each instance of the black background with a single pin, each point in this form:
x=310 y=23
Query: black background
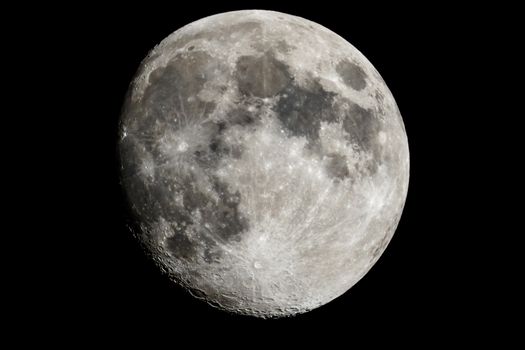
x=100 y=276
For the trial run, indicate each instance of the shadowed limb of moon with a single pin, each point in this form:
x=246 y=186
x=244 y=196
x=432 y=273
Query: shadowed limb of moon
x=265 y=160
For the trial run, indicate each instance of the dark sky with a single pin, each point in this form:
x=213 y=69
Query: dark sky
x=99 y=272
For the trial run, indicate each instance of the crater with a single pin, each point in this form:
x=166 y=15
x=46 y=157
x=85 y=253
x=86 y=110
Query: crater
x=351 y=74
x=193 y=198
x=181 y=246
x=283 y=47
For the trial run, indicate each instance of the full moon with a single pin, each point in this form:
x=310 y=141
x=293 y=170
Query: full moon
x=265 y=162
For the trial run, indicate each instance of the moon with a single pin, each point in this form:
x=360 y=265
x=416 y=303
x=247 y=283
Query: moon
x=265 y=162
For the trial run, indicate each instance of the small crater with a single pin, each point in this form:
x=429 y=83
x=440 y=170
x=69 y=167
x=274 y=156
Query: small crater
x=351 y=74
x=211 y=255
x=194 y=199
x=190 y=48
x=283 y=47
x=181 y=246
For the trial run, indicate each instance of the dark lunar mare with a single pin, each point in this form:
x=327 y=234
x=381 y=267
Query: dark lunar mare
x=351 y=74
x=169 y=103
x=363 y=127
x=336 y=166
x=302 y=108
x=261 y=76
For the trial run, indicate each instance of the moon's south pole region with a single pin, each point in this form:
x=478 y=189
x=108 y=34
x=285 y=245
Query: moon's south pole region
x=265 y=162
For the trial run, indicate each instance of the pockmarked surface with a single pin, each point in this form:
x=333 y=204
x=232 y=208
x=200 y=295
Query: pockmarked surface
x=265 y=161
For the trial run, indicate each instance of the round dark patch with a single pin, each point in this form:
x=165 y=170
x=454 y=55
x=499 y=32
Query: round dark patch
x=352 y=75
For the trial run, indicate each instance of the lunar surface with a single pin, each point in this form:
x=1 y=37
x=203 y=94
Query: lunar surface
x=265 y=161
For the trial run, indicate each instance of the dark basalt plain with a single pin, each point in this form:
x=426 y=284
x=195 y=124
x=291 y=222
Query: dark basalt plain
x=262 y=76
x=351 y=74
x=172 y=91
